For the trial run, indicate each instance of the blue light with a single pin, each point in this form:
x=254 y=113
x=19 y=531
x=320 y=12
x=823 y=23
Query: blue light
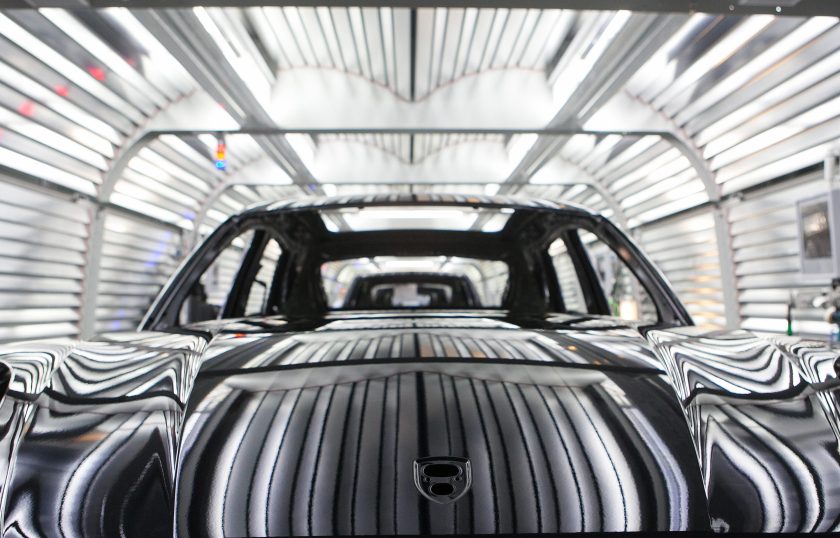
x=220 y=165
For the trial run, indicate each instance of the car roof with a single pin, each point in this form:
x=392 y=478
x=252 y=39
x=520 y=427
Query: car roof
x=382 y=200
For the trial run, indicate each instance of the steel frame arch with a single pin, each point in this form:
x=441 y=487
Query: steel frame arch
x=681 y=144
x=129 y=148
x=684 y=144
x=723 y=234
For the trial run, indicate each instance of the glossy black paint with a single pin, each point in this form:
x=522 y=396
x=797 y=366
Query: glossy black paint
x=312 y=426
x=261 y=432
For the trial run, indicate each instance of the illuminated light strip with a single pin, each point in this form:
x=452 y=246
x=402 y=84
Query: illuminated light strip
x=173 y=169
x=719 y=136
x=774 y=135
x=519 y=146
x=358 y=32
x=767 y=60
x=716 y=56
x=276 y=21
x=660 y=70
x=670 y=208
x=168 y=71
x=98 y=135
x=669 y=188
x=680 y=165
x=304 y=146
x=648 y=168
x=620 y=160
x=601 y=152
x=50 y=138
x=147 y=182
x=45 y=171
x=250 y=74
x=267 y=34
x=199 y=158
x=65 y=67
x=155 y=176
x=567 y=81
x=792 y=163
x=90 y=42
x=129 y=201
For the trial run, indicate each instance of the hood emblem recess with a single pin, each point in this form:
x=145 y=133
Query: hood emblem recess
x=442 y=479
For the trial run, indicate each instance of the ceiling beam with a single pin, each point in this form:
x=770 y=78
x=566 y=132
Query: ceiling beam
x=798 y=8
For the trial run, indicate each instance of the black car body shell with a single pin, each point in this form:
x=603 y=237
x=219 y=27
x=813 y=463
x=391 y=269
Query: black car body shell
x=311 y=426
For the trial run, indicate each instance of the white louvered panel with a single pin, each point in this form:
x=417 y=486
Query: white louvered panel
x=766 y=256
x=43 y=239
x=685 y=250
x=137 y=259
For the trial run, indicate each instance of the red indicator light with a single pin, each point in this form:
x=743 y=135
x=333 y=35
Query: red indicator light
x=96 y=72
x=62 y=90
x=27 y=108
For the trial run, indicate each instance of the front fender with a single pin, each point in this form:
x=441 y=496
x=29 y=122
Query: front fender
x=89 y=428
x=764 y=424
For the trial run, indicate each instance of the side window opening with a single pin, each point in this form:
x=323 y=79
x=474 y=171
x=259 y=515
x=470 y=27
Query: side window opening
x=259 y=292
x=625 y=295
x=567 y=277
x=209 y=298
x=218 y=279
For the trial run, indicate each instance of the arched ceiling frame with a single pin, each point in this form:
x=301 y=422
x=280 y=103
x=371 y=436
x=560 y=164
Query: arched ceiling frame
x=683 y=145
x=669 y=130
x=176 y=112
x=631 y=47
x=723 y=234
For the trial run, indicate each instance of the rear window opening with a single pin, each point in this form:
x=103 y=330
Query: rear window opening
x=366 y=219
x=433 y=282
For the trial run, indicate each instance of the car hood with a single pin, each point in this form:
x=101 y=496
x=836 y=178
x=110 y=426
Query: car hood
x=271 y=427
